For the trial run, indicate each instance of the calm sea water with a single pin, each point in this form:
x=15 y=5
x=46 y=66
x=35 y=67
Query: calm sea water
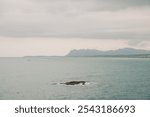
x=108 y=78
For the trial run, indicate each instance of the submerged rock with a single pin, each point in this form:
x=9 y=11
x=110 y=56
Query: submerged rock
x=74 y=83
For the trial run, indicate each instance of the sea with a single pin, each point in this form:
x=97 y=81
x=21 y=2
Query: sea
x=43 y=78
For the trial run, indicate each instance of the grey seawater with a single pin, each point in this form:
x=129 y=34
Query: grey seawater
x=108 y=78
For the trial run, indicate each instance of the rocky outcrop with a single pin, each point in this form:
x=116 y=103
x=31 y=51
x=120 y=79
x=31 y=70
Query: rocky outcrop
x=74 y=83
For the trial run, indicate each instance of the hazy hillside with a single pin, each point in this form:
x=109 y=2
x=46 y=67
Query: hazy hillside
x=119 y=52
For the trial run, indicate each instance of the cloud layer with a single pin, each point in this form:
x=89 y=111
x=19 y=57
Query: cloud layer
x=97 y=19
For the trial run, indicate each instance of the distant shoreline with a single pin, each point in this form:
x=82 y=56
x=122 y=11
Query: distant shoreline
x=81 y=57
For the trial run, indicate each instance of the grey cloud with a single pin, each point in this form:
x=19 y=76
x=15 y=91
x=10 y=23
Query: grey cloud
x=71 y=6
x=74 y=18
x=120 y=4
x=93 y=5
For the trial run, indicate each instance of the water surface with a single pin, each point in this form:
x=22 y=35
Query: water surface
x=108 y=78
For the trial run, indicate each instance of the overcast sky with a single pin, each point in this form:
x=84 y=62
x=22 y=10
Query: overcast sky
x=54 y=27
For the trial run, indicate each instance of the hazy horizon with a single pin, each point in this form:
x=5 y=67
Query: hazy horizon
x=53 y=28
x=73 y=50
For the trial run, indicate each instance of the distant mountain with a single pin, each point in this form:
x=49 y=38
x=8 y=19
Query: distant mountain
x=119 y=52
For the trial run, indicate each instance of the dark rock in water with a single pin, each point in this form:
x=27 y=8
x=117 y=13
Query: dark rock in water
x=74 y=82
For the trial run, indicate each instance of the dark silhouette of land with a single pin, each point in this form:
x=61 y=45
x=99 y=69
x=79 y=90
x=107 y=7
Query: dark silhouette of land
x=74 y=83
x=125 y=52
